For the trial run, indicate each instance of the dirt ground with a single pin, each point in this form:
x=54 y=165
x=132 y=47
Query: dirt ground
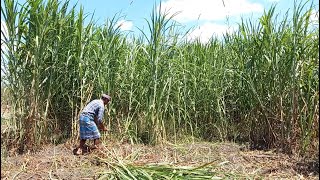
x=58 y=162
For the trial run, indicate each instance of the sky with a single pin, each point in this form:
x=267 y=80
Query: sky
x=205 y=17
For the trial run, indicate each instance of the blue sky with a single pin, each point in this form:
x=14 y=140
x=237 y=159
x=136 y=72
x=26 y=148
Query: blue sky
x=207 y=17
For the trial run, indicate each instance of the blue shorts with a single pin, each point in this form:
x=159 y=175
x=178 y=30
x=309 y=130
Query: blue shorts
x=88 y=128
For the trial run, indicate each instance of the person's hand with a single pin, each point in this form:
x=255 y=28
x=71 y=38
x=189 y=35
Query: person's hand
x=102 y=127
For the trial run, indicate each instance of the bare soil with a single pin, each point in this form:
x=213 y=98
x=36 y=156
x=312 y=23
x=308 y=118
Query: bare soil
x=58 y=162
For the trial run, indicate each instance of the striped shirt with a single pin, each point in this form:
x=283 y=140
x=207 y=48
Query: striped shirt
x=96 y=108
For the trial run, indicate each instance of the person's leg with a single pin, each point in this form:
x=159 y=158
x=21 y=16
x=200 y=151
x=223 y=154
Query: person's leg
x=96 y=143
x=83 y=123
x=80 y=148
x=82 y=143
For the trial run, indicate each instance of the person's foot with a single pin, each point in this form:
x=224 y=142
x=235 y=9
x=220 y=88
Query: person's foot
x=101 y=150
x=86 y=149
x=94 y=147
x=77 y=151
x=99 y=147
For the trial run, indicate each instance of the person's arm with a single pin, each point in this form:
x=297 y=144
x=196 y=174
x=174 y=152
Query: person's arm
x=100 y=114
x=98 y=120
x=99 y=124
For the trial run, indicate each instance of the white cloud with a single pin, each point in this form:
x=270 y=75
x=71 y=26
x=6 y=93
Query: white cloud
x=273 y=1
x=207 y=30
x=314 y=16
x=124 y=25
x=190 y=10
x=4 y=33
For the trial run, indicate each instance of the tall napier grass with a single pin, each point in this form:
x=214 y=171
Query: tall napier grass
x=259 y=84
x=274 y=56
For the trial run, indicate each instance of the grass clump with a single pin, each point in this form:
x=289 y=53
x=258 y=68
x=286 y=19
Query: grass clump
x=162 y=171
